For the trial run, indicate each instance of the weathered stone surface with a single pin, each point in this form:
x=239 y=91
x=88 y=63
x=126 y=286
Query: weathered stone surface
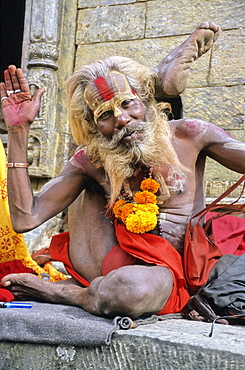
x=227 y=63
x=173 y=344
x=94 y=3
x=122 y=22
x=147 y=51
x=219 y=178
x=182 y=17
x=222 y=106
x=215 y=172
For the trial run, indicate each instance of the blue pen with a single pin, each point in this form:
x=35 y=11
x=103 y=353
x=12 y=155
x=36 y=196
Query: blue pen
x=15 y=305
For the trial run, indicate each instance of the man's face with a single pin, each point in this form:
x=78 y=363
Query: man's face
x=115 y=106
x=132 y=113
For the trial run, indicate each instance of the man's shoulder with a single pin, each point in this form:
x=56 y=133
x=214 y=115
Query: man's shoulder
x=189 y=128
x=80 y=159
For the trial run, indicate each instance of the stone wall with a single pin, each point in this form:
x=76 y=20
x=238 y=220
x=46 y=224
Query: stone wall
x=148 y=30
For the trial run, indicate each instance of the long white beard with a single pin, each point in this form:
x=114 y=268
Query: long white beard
x=152 y=148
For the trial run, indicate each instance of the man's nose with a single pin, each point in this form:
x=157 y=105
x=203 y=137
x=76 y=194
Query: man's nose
x=121 y=119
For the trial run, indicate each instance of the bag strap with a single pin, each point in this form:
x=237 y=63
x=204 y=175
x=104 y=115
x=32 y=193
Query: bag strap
x=213 y=205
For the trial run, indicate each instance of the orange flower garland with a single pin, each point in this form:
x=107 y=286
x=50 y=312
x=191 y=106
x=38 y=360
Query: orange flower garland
x=140 y=215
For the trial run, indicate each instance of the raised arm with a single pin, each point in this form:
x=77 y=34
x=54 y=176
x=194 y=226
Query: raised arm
x=214 y=142
x=226 y=150
x=19 y=111
x=173 y=70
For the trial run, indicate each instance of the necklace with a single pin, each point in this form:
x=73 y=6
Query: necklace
x=139 y=212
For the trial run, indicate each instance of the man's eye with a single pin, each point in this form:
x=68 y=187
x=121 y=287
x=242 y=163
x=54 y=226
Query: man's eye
x=105 y=115
x=127 y=103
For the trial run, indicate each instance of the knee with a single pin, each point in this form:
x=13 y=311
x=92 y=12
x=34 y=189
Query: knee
x=128 y=291
x=119 y=294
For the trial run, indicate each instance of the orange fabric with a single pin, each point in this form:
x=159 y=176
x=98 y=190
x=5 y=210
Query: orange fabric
x=156 y=250
x=131 y=249
x=200 y=256
x=59 y=251
x=116 y=258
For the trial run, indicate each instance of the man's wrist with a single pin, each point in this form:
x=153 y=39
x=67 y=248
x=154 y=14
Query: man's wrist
x=17 y=165
x=21 y=125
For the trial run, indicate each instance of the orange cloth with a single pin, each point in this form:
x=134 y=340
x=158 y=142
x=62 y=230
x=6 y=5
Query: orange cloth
x=59 y=251
x=156 y=250
x=132 y=249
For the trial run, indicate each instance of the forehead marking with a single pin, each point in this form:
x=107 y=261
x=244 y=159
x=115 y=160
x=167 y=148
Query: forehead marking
x=105 y=92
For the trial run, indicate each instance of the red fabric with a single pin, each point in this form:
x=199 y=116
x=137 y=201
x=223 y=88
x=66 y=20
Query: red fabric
x=59 y=251
x=156 y=250
x=6 y=295
x=229 y=233
x=116 y=258
x=11 y=267
x=199 y=257
x=147 y=247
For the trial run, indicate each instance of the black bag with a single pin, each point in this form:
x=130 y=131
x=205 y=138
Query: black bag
x=223 y=294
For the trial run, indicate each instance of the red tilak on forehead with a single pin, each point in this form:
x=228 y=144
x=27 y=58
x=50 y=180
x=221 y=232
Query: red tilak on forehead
x=105 y=92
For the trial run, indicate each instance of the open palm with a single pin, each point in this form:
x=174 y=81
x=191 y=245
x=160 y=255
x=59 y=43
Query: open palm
x=18 y=105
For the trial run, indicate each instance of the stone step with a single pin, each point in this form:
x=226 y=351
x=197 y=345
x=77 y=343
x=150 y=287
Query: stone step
x=166 y=345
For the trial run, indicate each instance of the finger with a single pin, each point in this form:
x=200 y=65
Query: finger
x=37 y=96
x=14 y=79
x=2 y=90
x=8 y=81
x=11 y=279
x=23 y=83
x=5 y=282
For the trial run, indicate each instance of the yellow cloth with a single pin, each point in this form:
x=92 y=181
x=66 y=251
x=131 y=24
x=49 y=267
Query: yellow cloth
x=12 y=244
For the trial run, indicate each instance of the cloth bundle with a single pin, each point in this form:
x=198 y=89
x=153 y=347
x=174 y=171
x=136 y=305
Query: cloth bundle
x=14 y=254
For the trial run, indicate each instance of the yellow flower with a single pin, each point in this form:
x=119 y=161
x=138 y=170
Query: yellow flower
x=153 y=208
x=150 y=185
x=117 y=209
x=139 y=216
x=144 y=197
x=141 y=222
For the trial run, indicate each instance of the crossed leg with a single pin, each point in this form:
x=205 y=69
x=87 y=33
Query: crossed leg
x=128 y=291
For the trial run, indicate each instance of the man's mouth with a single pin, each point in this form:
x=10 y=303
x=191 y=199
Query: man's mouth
x=128 y=137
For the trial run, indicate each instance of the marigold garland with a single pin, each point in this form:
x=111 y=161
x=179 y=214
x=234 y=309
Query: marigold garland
x=150 y=185
x=140 y=214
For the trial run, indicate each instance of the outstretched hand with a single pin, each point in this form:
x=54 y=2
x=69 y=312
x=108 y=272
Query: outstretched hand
x=18 y=105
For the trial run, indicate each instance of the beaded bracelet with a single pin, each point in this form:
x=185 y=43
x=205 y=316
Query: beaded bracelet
x=18 y=165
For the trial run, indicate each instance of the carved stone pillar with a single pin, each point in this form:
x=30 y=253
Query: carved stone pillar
x=45 y=42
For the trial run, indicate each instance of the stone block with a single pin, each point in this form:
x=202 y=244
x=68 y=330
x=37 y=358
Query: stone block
x=227 y=62
x=103 y=24
x=182 y=17
x=94 y=3
x=222 y=105
x=218 y=177
x=147 y=51
x=171 y=344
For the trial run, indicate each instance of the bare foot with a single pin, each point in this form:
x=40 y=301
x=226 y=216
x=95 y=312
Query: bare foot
x=173 y=70
x=26 y=286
